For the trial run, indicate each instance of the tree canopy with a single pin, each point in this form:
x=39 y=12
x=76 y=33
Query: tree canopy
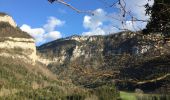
x=160 y=17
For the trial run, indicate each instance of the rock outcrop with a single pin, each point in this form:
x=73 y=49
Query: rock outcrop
x=131 y=60
x=71 y=48
x=121 y=57
x=14 y=42
x=8 y=19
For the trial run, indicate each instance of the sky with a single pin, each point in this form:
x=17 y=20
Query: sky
x=46 y=22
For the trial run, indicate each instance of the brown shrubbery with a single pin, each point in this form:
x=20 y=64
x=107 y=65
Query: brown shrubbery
x=6 y=30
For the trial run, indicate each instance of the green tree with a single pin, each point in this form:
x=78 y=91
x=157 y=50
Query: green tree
x=160 y=17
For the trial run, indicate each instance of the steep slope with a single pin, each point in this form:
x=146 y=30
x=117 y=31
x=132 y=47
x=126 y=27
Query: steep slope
x=147 y=74
x=17 y=48
x=93 y=60
x=23 y=81
x=16 y=43
x=23 y=78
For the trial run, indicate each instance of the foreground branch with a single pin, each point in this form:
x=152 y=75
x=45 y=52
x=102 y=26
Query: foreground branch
x=70 y=6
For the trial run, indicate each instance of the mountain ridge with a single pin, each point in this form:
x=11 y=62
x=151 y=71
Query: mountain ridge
x=22 y=77
x=129 y=60
x=103 y=58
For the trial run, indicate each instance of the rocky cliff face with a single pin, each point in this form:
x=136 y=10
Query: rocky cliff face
x=8 y=19
x=130 y=60
x=14 y=42
x=71 y=48
x=91 y=60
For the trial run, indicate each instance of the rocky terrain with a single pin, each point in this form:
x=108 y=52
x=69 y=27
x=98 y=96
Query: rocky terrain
x=6 y=18
x=14 y=42
x=81 y=66
x=22 y=77
x=120 y=58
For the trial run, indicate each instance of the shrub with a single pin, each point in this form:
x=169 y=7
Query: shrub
x=107 y=92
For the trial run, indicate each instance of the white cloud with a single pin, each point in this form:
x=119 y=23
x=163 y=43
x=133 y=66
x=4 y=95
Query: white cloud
x=134 y=26
x=52 y=22
x=97 y=31
x=130 y=25
x=138 y=10
x=46 y=33
x=36 y=33
x=95 y=21
x=103 y=23
x=137 y=7
x=52 y=35
x=95 y=24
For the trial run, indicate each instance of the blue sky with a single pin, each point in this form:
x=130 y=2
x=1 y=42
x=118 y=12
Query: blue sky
x=47 y=22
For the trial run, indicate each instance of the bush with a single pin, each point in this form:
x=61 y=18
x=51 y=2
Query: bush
x=107 y=92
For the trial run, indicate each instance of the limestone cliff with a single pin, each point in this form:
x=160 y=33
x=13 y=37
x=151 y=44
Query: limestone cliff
x=121 y=57
x=6 y=18
x=71 y=48
x=14 y=42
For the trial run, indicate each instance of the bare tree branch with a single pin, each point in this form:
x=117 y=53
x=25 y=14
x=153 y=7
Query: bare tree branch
x=70 y=6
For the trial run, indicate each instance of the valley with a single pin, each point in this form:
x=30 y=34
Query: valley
x=83 y=67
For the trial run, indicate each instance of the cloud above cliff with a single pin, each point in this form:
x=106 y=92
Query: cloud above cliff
x=137 y=7
x=96 y=24
x=46 y=33
x=51 y=24
x=103 y=23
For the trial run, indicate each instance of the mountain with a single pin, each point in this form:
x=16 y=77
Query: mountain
x=14 y=42
x=131 y=60
x=6 y=18
x=22 y=77
x=81 y=67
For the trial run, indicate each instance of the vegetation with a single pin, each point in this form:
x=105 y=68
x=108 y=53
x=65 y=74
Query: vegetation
x=6 y=30
x=107 y=92
x=113 y=58
x=148 y=74
x=19 y=80
x=160 y=20
x=138 y=96
x=22 y=81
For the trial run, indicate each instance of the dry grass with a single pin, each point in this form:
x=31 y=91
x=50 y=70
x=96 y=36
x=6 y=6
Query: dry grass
x=6 y=92
x=6 y=30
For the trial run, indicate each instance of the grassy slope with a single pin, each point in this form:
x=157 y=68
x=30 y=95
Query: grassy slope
x=138 y=96
x=6 y=30
x=22 y=81
x=19 y=80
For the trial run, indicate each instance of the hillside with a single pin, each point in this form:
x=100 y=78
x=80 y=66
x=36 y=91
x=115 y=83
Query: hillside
x=8 y=31
x=16 y=43
x=81 y=67
x=24 y=81
x=22 y=77
x=91 y=61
